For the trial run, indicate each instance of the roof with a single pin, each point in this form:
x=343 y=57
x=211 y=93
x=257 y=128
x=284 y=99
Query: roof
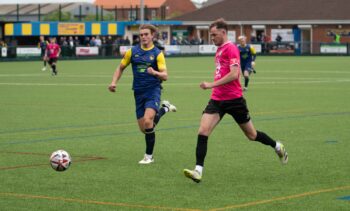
x=20 y=2
x=127 y=3
x=272 y=10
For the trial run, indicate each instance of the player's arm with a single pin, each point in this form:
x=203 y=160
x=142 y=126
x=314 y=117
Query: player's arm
x=253 y=53
x=162 y=72
x=231 y=76
x=119 y=71
x=59 y=52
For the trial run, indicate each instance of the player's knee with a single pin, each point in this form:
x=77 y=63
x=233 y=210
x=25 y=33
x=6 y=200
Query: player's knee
x=251 y=136
x=204 y=131
x=148 y=122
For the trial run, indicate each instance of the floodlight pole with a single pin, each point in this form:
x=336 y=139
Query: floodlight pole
x=142 y=10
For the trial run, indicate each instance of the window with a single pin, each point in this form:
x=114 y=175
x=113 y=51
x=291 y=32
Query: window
x=154 y=14
x=132 y=15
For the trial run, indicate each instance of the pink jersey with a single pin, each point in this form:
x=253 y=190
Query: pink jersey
x=226 y=56
x=53 y=50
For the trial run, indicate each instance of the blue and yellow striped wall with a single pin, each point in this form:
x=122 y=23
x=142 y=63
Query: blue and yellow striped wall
x=51 y=28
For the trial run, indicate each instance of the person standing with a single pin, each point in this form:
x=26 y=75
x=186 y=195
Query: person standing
x=226 y=98
x=247 y=56
x=53 y=50
x=42 y=45
x=149 y=70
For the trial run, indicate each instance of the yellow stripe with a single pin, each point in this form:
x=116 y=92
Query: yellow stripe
x=96 y=29
x=26 y=29
x=81 y=201
x=44 y=29
x=9 y=29
x=112 y=28
x=283 y=198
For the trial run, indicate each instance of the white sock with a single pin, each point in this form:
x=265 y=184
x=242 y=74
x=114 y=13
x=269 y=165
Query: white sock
x=278 y=146
x=166 y=109
x=199 y=169
x=149 y=156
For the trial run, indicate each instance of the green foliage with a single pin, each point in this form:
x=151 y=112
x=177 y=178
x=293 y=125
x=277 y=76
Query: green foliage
x=54 y=16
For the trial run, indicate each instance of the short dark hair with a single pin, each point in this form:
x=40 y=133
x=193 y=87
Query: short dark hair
x=150 y=27
x=219 y=24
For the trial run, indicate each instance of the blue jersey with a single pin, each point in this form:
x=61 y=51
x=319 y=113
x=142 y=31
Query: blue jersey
x=140 y=60
x=247 y=53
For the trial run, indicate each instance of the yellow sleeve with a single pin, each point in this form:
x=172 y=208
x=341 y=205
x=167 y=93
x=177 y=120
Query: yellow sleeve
x=252 y=50
x=161 y=62
x=127 y=58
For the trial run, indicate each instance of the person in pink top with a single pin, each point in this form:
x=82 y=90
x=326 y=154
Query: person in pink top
x=226 y=98
x=53 y=50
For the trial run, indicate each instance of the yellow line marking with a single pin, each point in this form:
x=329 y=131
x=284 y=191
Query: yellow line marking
x=17 y=195
x=249 y=204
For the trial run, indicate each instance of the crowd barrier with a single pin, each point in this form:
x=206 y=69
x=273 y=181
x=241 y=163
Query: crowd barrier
x=286 y=48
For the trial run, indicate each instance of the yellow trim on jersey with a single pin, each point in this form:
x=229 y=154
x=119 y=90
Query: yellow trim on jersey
x=127 y=58
x=147 y=49
x=252 y=50
x=161 y=62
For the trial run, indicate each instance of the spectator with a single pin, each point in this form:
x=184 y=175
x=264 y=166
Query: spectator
x=278 y=38
x=98 y=41
x=174 y=41
x=76 y=41
x=126 y=41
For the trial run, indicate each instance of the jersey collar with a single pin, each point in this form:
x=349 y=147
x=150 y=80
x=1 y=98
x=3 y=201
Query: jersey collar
x=147 y=49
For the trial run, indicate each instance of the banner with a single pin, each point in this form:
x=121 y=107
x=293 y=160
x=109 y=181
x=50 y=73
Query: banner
x=286 y=35
x=22 y=52
x=123 y=49
x=71 y=29
x=86 y=51
x=207 y=49
x=3 y=52
x=334 y=49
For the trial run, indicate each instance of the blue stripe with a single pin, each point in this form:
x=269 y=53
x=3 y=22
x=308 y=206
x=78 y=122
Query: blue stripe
x=17 y=29
x=120 y=28
x=35 y=29
x=53 y=29
x=104 y=28
x=10 y=142
x=345 y=198
x=88 y=28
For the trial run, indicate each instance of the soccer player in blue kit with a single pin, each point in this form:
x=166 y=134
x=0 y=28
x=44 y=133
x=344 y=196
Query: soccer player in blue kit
x=248 y=55
x=149 y=70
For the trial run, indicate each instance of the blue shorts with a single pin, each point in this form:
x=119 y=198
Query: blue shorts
x=147 y=99
x=247 y=67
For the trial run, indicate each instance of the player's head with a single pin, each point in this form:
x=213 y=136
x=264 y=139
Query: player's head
x=242 y=40
x=41 y=38
x=147 y=33
x=52 y=39
x=218 y=31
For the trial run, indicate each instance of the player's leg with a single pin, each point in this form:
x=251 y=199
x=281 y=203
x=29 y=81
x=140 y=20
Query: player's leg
x=246 y=74
x=207 y=125
x=146 y=125
x=54 y=70
x=165 y=107
x=255 y=135
x=44 y=60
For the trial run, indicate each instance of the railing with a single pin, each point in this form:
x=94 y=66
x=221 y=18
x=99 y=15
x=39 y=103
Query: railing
x=105 y=51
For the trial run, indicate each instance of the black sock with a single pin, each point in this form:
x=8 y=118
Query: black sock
x=159 y=115
x=265 y=139
x=54 y=69
x=201 y=150
x=44 y=63
x=246 y=81
x=150 y=138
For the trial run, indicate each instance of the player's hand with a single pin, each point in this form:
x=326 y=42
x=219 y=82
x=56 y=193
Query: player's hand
x=151 y=71
x=112 y=87
x=205 y=85
x=253 y=64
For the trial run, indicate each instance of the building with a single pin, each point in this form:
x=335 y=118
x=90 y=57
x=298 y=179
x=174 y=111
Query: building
x=129 y=10
x=307 y=24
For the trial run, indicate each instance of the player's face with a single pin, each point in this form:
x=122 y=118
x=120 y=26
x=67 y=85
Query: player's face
x=242 y=42
x=146 y=37
x=217 y=36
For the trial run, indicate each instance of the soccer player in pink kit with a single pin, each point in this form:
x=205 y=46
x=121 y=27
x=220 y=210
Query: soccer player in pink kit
x=53 y=50
x=226 y=97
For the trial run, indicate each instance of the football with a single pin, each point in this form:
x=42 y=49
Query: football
x=60 y=160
